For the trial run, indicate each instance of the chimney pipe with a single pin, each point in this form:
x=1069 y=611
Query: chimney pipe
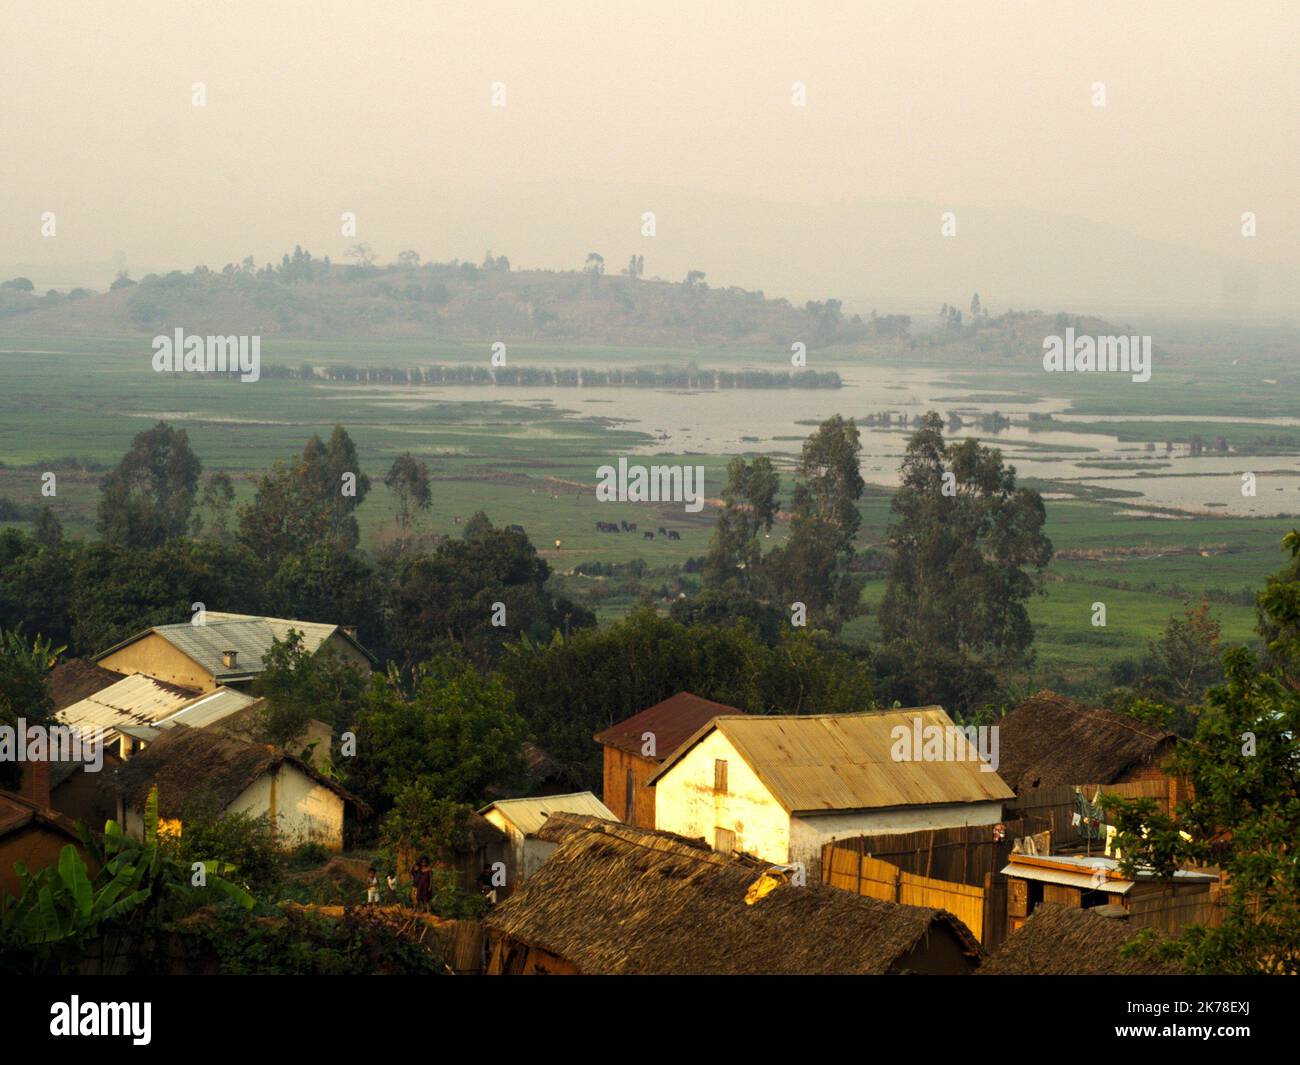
x=228 y=658
x=35 y=786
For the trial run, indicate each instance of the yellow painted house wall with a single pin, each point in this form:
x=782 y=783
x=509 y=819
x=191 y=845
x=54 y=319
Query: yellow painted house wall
x=156 y=657
x=345 y=650
x=303 y=810
x=686 y=803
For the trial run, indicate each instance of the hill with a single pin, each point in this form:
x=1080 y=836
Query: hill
x=314 y=298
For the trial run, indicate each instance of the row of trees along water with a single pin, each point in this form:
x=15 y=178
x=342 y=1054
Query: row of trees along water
x=563 y=377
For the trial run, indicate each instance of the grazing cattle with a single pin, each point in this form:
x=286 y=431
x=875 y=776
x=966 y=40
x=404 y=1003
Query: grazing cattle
x=648 y=535
x=673 y=534
x=607 y=526
x=663 y=531
x=456 y=520
x=518 y=529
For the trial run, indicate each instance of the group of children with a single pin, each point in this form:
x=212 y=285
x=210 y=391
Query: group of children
x=421 y=885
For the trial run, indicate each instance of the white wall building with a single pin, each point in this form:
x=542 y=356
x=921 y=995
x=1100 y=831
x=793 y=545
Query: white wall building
x=778 y=787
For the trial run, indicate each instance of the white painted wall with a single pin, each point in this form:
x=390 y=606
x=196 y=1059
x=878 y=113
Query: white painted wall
x=305 y=811
x=686 y=803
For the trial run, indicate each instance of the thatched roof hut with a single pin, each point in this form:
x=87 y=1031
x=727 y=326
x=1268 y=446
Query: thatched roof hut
x=615 y=899
x=1065 y=941
x=1050 y=740
x=185 y=763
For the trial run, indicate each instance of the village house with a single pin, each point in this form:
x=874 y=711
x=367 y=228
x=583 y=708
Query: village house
x=1050 y=740
x=226 y=649
x=522 y=819
x=1082 y=882
x=1065 y=941
x=208 y=769
x=636 y=747
x=31 y=832
x=126 y=716
x=615 y=899
x=779 y=787
x=136 y=699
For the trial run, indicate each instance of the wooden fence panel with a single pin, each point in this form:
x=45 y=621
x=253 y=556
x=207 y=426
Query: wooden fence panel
x=877 y=879
x=966 y=902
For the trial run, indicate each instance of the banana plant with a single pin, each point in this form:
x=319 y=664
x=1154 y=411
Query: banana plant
x=146 y=863
x=62 y=905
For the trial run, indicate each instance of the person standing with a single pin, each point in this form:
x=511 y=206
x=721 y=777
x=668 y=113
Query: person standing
x=422 y=879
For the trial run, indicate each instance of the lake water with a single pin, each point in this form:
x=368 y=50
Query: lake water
x=777 y=421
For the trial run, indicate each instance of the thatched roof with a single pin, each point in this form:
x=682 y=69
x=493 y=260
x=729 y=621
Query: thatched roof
x=71 y=681
x=1065 y=941
x=185 y=763
x=616 y=899
x=1049 y=740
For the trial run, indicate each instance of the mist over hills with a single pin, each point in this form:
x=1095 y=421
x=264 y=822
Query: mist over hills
x=310 y=297
x=883 y=255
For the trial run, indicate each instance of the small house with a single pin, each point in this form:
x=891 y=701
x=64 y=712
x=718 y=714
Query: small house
x=31 y=832
x=614 y=899
x=1050 y=741
x=1081 y=882
x=522 y=819
x=636 y=747
x=136 y=699
x=225 y=649
x=780 y=786
x=205 y=769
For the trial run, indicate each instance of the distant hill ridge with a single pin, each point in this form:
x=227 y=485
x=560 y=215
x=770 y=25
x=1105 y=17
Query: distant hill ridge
x=314 y=298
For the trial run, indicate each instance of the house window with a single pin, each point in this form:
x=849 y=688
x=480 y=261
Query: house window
x=629 y=798
x=724 y=840
x=720 y=775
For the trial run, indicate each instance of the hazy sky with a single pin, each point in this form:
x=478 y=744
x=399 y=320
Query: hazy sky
x=384 y=109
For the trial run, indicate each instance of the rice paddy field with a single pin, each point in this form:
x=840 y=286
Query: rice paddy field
x=1141 y=521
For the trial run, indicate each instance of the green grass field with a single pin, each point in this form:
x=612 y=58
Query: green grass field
x=72 y=406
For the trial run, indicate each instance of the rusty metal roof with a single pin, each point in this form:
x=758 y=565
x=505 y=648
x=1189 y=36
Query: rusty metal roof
x=821 y=762
x=672 y=722
x=134 y=700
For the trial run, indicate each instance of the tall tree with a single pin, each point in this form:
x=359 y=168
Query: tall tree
x=408 y=478
x=146 y=499
x=750 y=508
x=812 y=567
x=307 y=502
x=968 y=547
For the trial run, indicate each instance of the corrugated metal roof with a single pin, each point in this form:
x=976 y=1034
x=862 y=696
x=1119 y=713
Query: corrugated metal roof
x=251 y=638
x=247 y=634
x=672 y=722
x=1068 y=868
x=134 y=700
x=1088 y=882
x=528 y=815
x=822 y=762
x=206 y=709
